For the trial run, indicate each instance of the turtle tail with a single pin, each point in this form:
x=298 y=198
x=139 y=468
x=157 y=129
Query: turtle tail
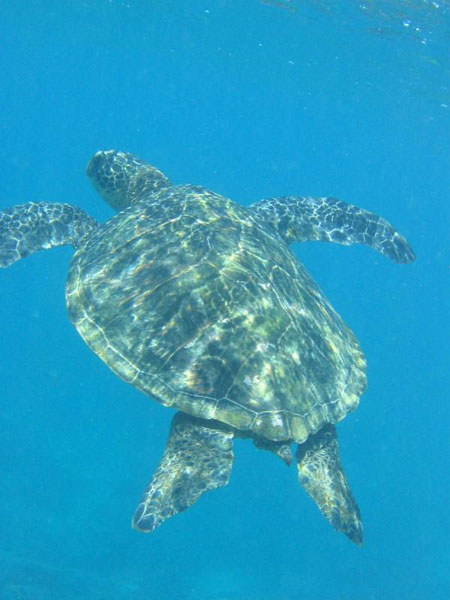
x=27 y=228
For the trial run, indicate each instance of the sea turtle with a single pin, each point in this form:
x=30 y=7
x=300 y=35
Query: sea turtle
x=198 y=302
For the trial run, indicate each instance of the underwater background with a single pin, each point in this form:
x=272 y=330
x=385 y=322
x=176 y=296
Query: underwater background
x=250 y=99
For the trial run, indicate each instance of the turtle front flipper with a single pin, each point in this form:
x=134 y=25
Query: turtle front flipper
x=321 y=474
x=198 y=457
x=301 y=219
x=27 y=228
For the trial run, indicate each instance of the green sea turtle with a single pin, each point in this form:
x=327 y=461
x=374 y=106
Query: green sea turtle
x=198 y=302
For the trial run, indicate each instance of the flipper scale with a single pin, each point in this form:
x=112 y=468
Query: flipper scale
x=198 y=457
x=321 y=474
x=301 y=219
x=27 y=228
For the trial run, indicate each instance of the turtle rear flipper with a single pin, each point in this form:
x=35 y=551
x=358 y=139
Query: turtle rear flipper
x=321 y=474
x=27 y=228
x=198 y=457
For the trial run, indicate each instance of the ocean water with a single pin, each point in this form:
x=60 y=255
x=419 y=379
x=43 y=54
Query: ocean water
x=251 y=99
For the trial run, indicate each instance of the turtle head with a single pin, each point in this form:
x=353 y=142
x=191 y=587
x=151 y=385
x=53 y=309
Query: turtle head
x=123 y=179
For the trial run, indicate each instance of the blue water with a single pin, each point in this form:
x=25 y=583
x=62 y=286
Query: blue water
x=250 y=99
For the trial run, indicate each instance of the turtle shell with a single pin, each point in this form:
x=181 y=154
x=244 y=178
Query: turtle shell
x=192 y=300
